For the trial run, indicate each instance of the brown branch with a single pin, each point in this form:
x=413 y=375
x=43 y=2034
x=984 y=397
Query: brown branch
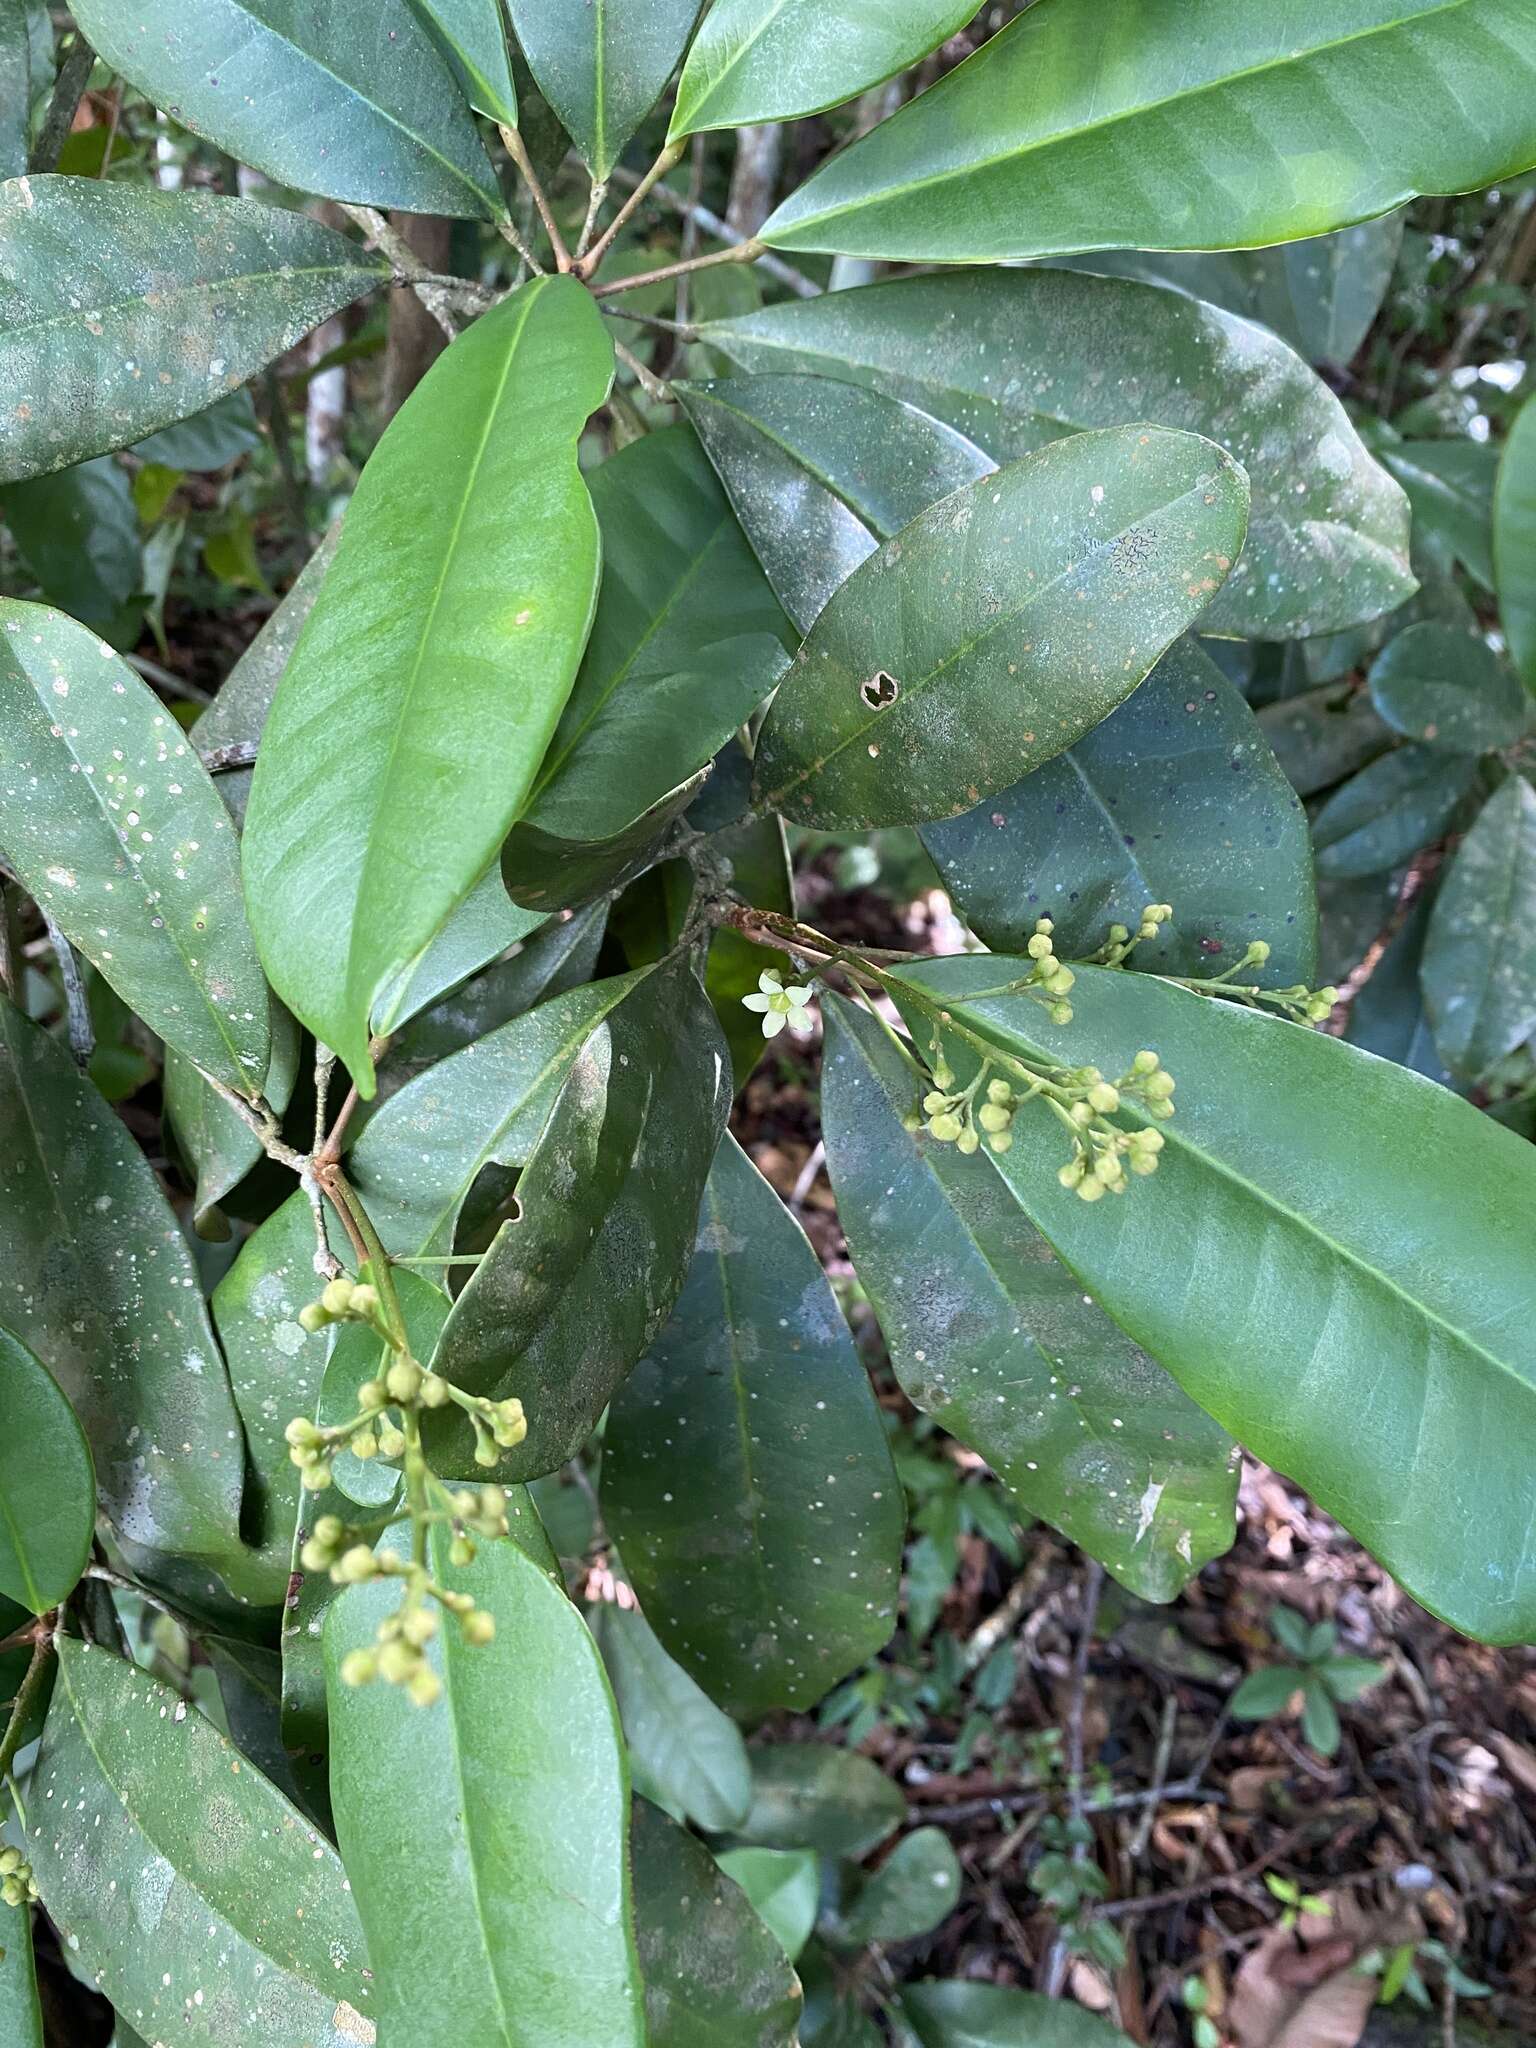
x=238 y=754
x=670 y=156
x=69 y=90
x=746 y=252
x=519 y=156
x=720 y=231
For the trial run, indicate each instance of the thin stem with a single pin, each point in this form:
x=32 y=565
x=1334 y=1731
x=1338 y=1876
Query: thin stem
x=595 y=200
x=361 y=1229
x=441 y=1259
x=655 y=388
x=721 y=231
x=511 y=236
x=519 y=156
x=68 y=92
x=82 y=1035
x=26 y=1699
x=670 y=156
x=654 y=320
x=746 y=252
x=409 y=269
x=108 y=1577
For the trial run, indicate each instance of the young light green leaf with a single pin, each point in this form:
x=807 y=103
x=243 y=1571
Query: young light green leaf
x=916 y=1888
x=1175 y=798
x=999 y=626
x=602 y=67
x=1371 y=1323
x=217 y=1144
x=48 y=1488
x=1014 y=359
x=99 y=282
x=517 y=1929
x=1449 y=689
x=256 y=1937
x=1479 y=966
x=474 y=33
x=370 y=817
x=1390 y=809
x=1267 y=1691
x=775 y=60
x=1450 y=487
x=112 y=824
x=809 y=1795
x=98 y=1281
x=1042 y=144
x=77 y=530
x=297 y=92
x=821 y=472
x=746 y=1476
x=714 y=1976
x=684 y=1753
x=1323 y=735
x=991 y=1334
x=784 y=1886
x=574 y=1291
x=1514 y=542
x=964 y=2015
x=21 y=2018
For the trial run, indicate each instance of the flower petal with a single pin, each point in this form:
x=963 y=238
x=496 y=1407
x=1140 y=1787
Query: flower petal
x=769 y=982
x=756 y=1002
x=774 y=1023
x=799 y=996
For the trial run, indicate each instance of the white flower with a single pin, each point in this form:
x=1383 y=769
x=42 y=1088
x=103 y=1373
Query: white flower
x=778 y=1005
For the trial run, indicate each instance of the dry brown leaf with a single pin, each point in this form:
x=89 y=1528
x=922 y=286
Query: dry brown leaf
x=1517 y=1760
x=1304 y=1988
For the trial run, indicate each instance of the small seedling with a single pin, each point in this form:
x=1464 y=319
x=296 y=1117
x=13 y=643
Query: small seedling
x=1316 y=1669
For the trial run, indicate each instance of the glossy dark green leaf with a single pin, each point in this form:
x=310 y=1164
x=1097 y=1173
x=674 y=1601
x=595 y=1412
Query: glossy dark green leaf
x=123 y=309
x=471 y=643
x=746 y=1477
x=1015 y=359
x=1387 y=1015
x=1049 y=139
x=602 y=67
x=1448 y=689
x=217 y=1144
x=916 y=1888
x=758 y=852
x=1479 y=971
x=48 y=1488
x=833 y=2016
x=1450 y=487
x=999 y=627
x=684 y=1753
x=474 y=33
x=420 y=1154
x=714 y=1976
x=299 y=93
x=1390 y=809
x=1323 y=735
x=1175 y=798
x=111 y=823
x=784 y=1887
x=238 y=713
x=21 y=2019
x=810 y=1795
x=774 y=60
x=208 y=440
x=516 y=1928
x=78 y=532
x=98 y=1281
x=198 y=1900
x=821 y=472
x=964 y=2015
x=250 y=1692
x=574 y=1291
x=26 y=67
x=992 y=1335
x=1514 y=542
x=545 y=871
x=1364 y=1225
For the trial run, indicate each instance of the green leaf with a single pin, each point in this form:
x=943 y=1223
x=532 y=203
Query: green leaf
x=683 y=1752
x=238 y=713
x=103 y=283
x=962 y=2015
x=420 y=1154
x=916 y=1888
x=775 y=60
x=222 y=433
x=1265 y=1692
x=299 y=93
x=1319 y=1716
x=216 y=1142
x=1479 y=966
x=474 y=34
x=47 y=1487
x=714 y=1976
x=1514 y=542
x=112 y=825
x=1016 y=359
x=1043 y=143
x=602 y=67
x=1448 y=689
x=515 y=1927
x=26 y=68
x=98 y=1281
x=1368 y=1227
x=1323 y=735
x=1450 y=487
x=1387 y=1016
x=1348 y=1678
x=821 y=472
x=21 y=2019
x=758 y=852
x=252 y=1917
x=574 y=1291
x=1324 y=293
x=1291 y=1630
x=1389 y=810
x=808 y=1795
x=77 y=530
x=1042 y=594
x=471 y=641
x=747 y=1478
x=784 y=1886
x=475 y=931
x=991 y=1334
x=544 y=871
x=1175 y=798
x=358 y=1355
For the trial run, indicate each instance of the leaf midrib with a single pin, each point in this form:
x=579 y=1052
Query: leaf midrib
x=206 y=286
x=738 y=56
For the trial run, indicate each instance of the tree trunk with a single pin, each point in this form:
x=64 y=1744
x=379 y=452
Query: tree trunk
x=415 y=339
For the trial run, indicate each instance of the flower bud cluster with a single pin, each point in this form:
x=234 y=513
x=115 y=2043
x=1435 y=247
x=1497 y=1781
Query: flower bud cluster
x=1301 y=1004
x=1050 y=980
x=17 y=1886
x=1120 y=942
x=1103 y=1153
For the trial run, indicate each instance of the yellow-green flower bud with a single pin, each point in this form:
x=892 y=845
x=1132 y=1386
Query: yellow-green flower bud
x=461 y=1551
x=389 y=1560
x=968 y=1140
x=465 y=1503
x=359 y=1667
x=912 y=1122
x=11 y=1861
x=13 y=1891
x=1145 y=1063
x=315 y=1478
x=493 y=1503
x=1104 y=1097
x=1147 y=1141
x=943 y=1073
x=425 y=1688
x=372 y=1395
x=356 y=1566
x=1059 y=983
x=398 y=1662
x=1040 y=947
x=313 y=1318
x=329 y=1530
x=993 y=1117
x=999 y=1090
x=1000 y=1141
x=1159 y=1086
x=336 y=1296
x=478 y=1626
x=303 y=1434
x=461 y=1603
x=511 y=1424
x=315 y=1556
x=934 y=1101
x=418 y=1625
x=364 y=1443
x=1090 y=1189
x=1258 y=951
x=403 y=1380
x=1143 y=1162
x=391 y=1441
x=945 y=1127
x=1108 y=1169
x=435 y=1391
x=1081 y=1115
x=485 y=1451
x=1070 y=1174
x=365 y=1303
x=1061 y=1013
x=1158 y=913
